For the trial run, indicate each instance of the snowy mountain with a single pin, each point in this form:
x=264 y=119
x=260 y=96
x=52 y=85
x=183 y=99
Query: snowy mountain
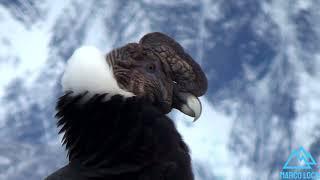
x=262 y=59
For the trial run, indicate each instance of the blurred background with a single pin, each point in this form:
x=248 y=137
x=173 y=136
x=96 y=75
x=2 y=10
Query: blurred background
x=262 y=60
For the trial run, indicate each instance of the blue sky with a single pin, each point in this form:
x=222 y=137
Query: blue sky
x=261 y=57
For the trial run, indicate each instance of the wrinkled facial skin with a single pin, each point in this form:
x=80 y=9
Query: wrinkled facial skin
x=138 y=70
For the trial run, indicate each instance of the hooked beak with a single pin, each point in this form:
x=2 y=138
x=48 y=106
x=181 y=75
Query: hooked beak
x=189 y=104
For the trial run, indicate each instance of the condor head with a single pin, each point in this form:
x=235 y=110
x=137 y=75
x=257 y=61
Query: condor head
x=157 y=68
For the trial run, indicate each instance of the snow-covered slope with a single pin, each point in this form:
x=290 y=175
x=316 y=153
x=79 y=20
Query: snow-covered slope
x=261 y=57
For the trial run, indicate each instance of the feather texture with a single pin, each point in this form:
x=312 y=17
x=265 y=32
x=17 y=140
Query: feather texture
x=122 y=138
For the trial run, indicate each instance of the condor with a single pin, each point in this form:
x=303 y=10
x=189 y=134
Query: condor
x=113 y=111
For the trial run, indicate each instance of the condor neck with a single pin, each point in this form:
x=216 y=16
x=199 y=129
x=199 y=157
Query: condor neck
x=100 y=133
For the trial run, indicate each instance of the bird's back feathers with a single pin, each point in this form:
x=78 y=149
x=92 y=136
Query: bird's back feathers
x=122 y=138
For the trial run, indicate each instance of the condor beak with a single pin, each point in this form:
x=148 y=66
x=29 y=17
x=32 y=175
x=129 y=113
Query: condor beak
x=188 y=104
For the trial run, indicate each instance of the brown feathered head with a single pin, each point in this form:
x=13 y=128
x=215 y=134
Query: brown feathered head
x=156 y=68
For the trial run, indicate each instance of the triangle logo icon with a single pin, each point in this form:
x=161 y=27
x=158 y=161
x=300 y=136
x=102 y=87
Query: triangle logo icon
x=299 y=159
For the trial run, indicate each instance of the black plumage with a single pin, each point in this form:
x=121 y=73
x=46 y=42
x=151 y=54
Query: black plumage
x=118 y=129
x=119 y=139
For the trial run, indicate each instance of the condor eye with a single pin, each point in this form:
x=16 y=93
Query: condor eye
x=151 y=68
